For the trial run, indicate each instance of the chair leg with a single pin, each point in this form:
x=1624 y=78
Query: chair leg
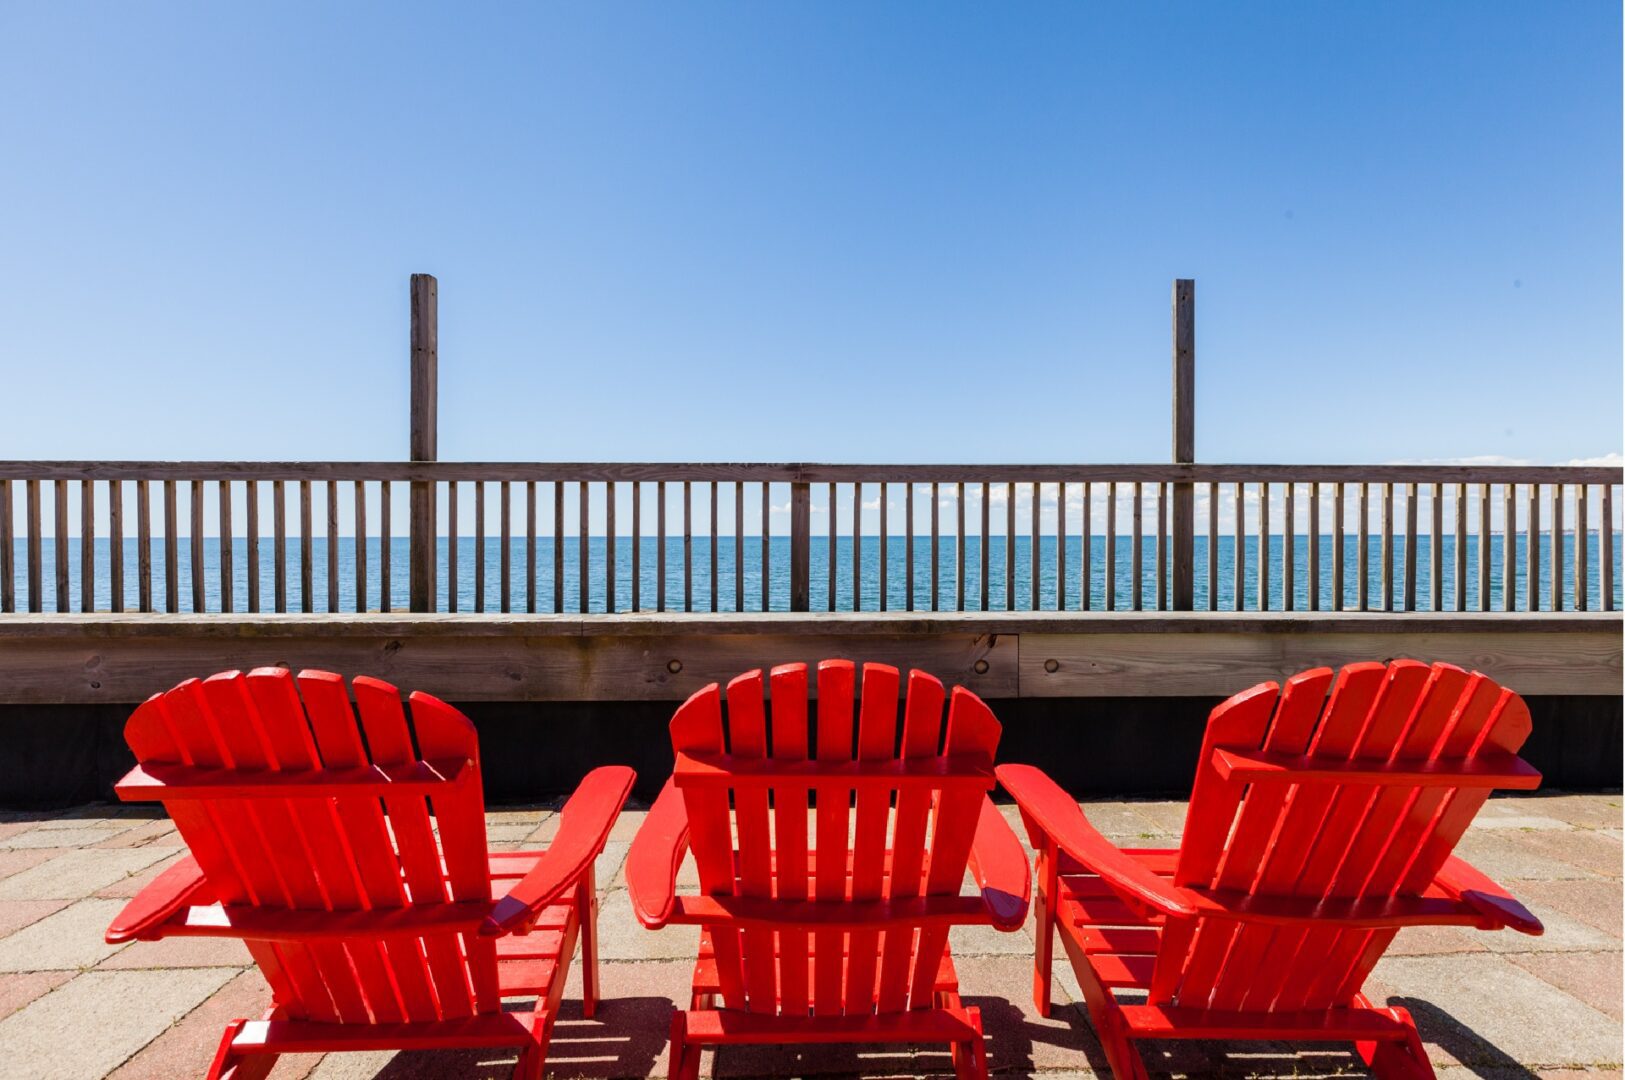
x=970 y=1056
x=1044 y=932
x=587 y=908
x=685 y=1056
x=533 y=1058
x=228 y=1065
x=1407 y=1060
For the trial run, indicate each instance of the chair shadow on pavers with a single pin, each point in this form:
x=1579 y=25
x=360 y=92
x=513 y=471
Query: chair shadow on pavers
x=1461 y=1042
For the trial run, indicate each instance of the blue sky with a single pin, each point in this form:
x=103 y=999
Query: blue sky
x=814 y=232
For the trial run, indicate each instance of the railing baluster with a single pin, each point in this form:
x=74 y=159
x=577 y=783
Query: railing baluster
x=1111 y=546
x=359 y=540
x=1032 y=562
x=1010 y=547
x=1086 y=585
x=1240 y=553
x=1162 y=547
x=1289 y=533
x=227 y=568
x=1461 y=547
x=453 y=584
x=1387 y=547
x=637 y=546
x=504 y=556
x=908 y=544
x=767 y=540
x=279 y=525
x=857 y=545
x=479 y=546
x=936 y=559
x=1582 y=529
x=172 y=581
x=115 y=541
x=59 y=542
x=8 y=556
x=1411 y=499
x=1060 y=547
x=87 y=546
x=1484 y=547
x=306 y=573
x=251 y=526
x=611 y=597
x=959 y=549
x=1263 y=547
x=985 y=546
x=885 y=604
x=711 y=542
x=584 y=542
x=1365 y=547
x=1314 y=547
x=1436 y=552
x=385 y=554
x=36 y=544
x=833 y=528
x=1214 y=494
x=1606 y=548
x=1509 y=549
x=739 y=545
x=333 y=547
x=660 y=545
x=558 y=547
x=688 y=546
x=1137 y=567
x=1339 y=529
x=1532 y=534
x=1557 y=547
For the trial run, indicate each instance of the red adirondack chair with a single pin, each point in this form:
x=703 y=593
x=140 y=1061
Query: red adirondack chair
x=1318 y=827
x=379 y=925
x=837 y=936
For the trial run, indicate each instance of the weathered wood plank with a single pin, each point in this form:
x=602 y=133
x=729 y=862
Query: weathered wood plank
x=306 y=571
x=87 y=545
x=115 y=542
x=228 y=568
x=59 y=542
x=1410 y=548
x=479 y=547
x=194 y=546
x=251 y=526
x=332 y=545
x=385 y=525
x=360 y=541
x=8 y=567
x=172 y=574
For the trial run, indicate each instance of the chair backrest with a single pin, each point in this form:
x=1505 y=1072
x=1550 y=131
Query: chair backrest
x=906 y=834
x=1338 y=789
x=292 y=805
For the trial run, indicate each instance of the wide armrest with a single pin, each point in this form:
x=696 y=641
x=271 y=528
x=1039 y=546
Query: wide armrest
x=1478 y=891
x=1000 y=868
x=1058 y=815
x=657 y=852
x=171 y=892
x=584 y=826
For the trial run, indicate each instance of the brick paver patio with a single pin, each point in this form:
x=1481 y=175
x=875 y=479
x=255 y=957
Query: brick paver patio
x=1493 y=1005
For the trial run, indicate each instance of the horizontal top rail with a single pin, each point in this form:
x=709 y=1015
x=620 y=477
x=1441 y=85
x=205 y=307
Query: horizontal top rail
x=802 y=472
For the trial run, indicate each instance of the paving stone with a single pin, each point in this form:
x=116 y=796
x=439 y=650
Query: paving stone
x=1594 y=902
x=1522 y=822
x=622 y=937
x=1598 y=978
x=180 y=952
x=1563 y=934
x=16 y=914
x=78 y=873
x=69 y=939
x=1018 y=1039
x=1589 y=811
x=1499 y=855
x=608 y=864
x=1435 y=940
x=126 y=888
x=187 y=1048
x=48 y=1040
x=1482 y=1009
x=58 y=838
x=1596 y=850
x=143 y=833
x=628 y=1037
x=986 y=941
x=18 y=989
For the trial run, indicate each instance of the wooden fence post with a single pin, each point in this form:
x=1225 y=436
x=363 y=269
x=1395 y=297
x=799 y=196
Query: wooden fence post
x=1184 y=515
x=424 y=442
x=801 y=545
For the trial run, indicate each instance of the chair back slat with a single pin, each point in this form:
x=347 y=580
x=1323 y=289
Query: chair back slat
x=1325 y=836
x=324 y=853
x=863 y=847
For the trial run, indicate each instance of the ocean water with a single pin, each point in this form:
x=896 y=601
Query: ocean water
x=695 y=588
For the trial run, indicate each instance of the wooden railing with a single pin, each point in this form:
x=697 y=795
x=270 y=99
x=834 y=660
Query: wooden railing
x=593 y=537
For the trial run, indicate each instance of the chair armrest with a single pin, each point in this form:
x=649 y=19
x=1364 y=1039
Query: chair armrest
x=657 y=852
x=1479 y=892
x=584 y=825
x=1000 y=868
x=166 y=895
x=1063 y=823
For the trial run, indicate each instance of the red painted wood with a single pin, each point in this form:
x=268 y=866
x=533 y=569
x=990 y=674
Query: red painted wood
x=844 y=937
x=1318 y=826
x=356 y=872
